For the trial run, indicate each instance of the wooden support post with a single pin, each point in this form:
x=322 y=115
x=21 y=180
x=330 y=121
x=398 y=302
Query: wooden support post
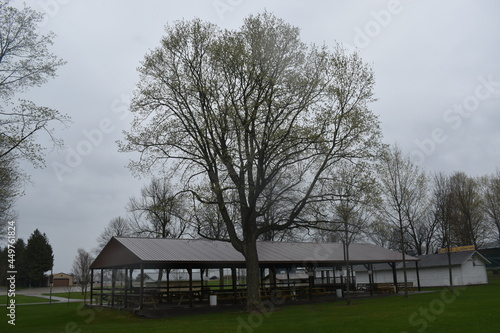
x=125 y=301
x=91 y=285
x=234 y=278
x=202 y=287
x=370 y=278
x=353 y=279
x=190 y=273
x=102 y=286
x=141 y=289
x=221 y=278
x=310 y=272
x=168 y=282
x=394 y=276
x=418 y=275
x=272 y=275
x=113 y=285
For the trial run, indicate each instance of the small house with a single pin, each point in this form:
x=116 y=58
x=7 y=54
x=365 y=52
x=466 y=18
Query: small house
x=468 y=268
x=63 y=280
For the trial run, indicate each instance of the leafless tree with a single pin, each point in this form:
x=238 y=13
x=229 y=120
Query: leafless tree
x=491 y=199
x=401 y=184
x=117 y=227
x=81 y=270
x=421 y=228
x=443 y=207
x=159 y=212
x=240 y=110
x=347 y=214
x=380 y=232
x=469 y=224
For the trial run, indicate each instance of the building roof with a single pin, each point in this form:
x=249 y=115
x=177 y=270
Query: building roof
x=433 y=260
x=200 y=253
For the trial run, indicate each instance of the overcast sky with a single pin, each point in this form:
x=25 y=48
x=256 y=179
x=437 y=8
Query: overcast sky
x=437 y=76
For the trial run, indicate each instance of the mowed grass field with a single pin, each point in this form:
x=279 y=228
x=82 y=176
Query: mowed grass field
x=471 y=309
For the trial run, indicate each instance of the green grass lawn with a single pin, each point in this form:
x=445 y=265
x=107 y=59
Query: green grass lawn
x=473 y=309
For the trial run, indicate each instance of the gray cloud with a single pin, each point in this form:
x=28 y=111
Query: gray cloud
x=427 y=56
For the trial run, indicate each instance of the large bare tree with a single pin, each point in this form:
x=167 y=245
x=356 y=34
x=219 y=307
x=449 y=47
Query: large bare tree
x=348 y=212
x=25 y=62
x=117 y=227
x=401 y=187
x=443 y=206
x=469 y=223
x=81 y=270
x=160 y=212
x=236 y=111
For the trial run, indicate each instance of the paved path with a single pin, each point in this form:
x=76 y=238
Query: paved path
x=37 y=292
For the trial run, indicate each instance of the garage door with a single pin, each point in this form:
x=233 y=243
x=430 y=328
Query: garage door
x=61 y=282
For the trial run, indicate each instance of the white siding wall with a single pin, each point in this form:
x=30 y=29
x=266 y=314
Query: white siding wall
x=474 y=272
x=471 y=272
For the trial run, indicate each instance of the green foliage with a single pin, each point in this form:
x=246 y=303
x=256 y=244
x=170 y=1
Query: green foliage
x=32 y=260
x=251 y=120
x=25 y=62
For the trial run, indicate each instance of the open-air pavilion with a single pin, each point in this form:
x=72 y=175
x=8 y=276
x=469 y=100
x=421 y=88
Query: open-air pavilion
x=319 y=261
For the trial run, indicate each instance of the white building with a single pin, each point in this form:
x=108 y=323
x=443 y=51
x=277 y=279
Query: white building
x=468 y=268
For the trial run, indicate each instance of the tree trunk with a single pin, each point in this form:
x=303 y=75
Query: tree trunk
x=403 y=252
x=346 y=258
x=253 y=279
x=348 y=277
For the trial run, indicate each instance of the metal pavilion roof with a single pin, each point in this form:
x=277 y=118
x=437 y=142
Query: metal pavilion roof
x=155 y=253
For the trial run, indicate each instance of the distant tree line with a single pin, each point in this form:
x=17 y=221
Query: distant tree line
x=416 y=212
x=31 y=260
x=393 y=203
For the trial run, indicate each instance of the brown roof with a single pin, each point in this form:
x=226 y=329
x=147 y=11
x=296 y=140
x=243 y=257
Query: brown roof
x=197 y=253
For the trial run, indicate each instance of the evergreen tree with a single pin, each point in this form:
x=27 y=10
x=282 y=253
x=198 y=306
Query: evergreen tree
x=3 y=266
x=40 y=258
x=22 y=277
